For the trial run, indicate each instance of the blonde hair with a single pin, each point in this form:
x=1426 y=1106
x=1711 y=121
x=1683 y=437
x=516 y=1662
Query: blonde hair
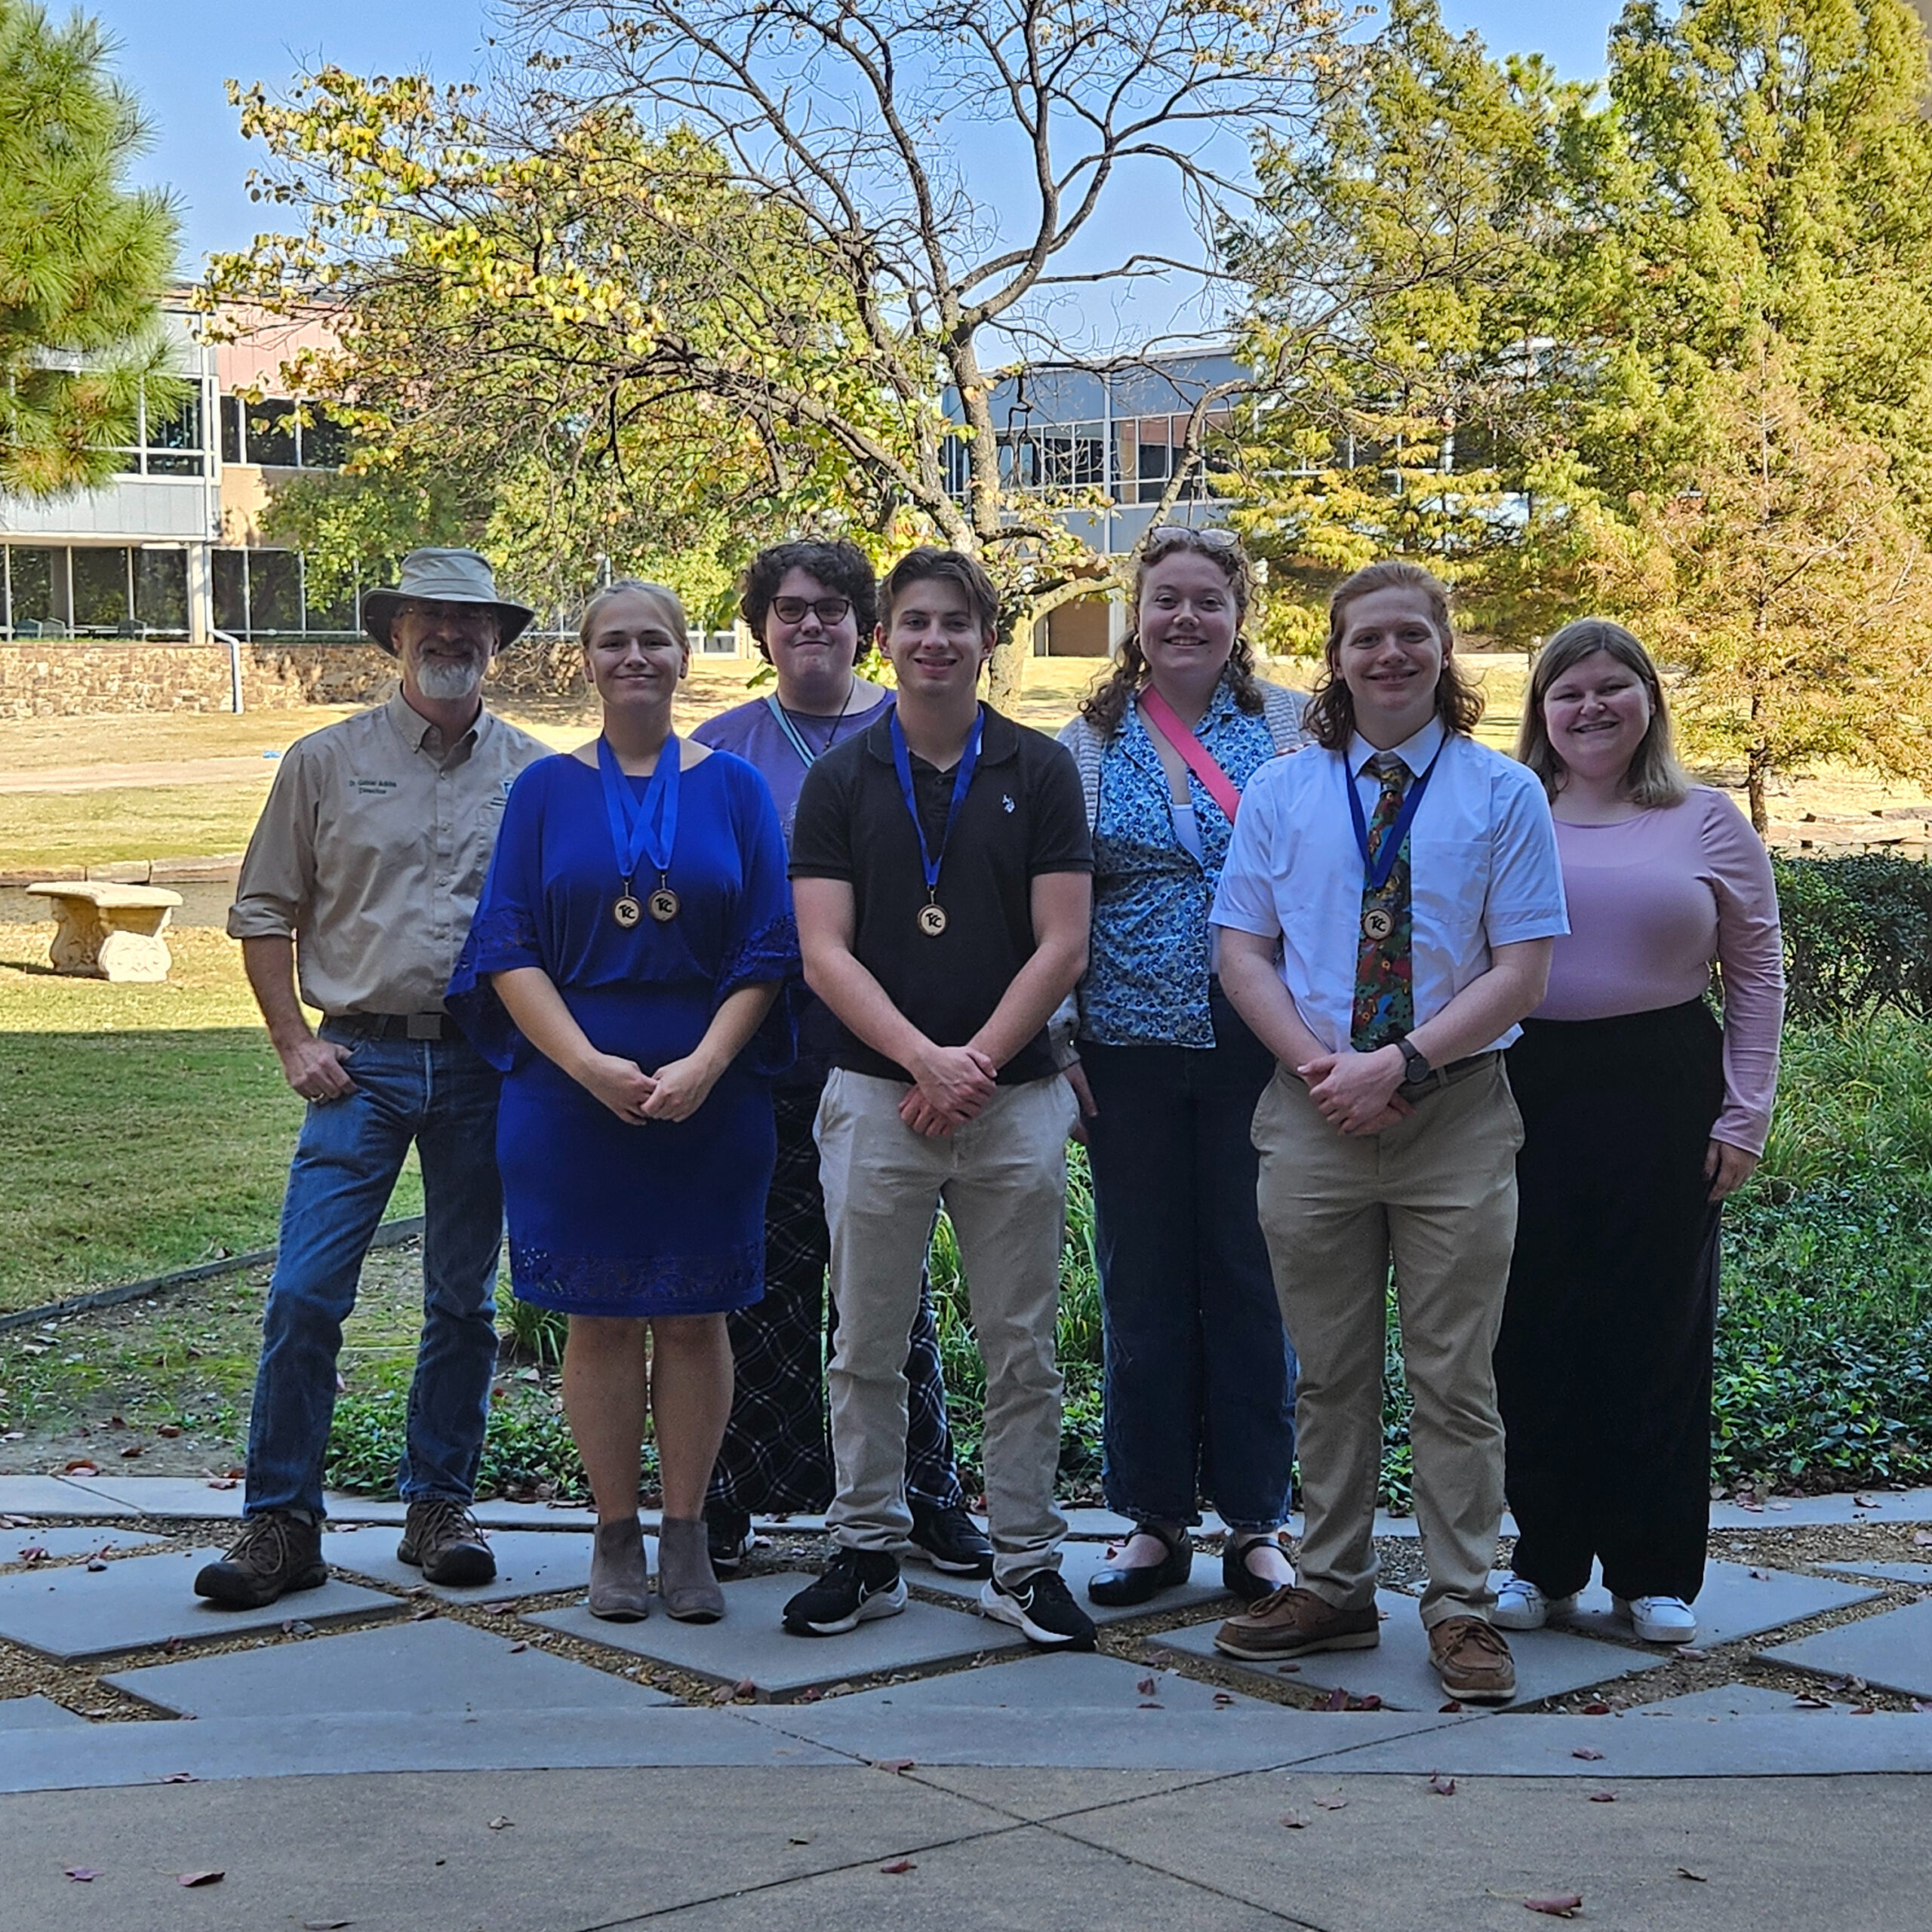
x=668 y=605
x=1331 y=715
x=1654 y=776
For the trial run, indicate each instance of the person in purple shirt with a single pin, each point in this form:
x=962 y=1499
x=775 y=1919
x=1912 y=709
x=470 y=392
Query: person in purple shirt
x=808 y=604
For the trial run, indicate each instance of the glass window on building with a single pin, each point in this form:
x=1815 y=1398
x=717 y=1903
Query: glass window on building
x=274 y=591
x=270 y=431
x=231 y=412
x=36 y=594
x=328 y=614
x=160 y=590
x=231 y=586
x=102 y=588
x=173 y=439
x=323 y=441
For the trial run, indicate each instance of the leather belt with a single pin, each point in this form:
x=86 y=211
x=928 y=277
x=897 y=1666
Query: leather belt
x=394 y=1026
x=1448 y=1076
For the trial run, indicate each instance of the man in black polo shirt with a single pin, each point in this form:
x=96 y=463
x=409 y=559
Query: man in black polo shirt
x=942 y=870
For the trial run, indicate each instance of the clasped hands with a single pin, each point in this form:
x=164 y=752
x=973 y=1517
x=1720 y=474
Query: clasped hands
x=674 y=1092
x=1355 y=1093
x=953 y=1084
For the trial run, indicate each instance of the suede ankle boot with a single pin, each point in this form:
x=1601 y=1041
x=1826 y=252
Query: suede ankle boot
x=618 y=1578
x=685 y=1579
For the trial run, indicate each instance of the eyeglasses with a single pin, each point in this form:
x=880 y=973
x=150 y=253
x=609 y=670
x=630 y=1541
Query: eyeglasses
x=829 y=610
x=464 y=617
x=1215 y=539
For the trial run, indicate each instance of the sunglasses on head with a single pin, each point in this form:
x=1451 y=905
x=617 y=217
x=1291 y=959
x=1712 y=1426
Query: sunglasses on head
x=1185 y=533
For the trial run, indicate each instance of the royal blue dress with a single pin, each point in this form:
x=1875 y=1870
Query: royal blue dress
x=666 y=1218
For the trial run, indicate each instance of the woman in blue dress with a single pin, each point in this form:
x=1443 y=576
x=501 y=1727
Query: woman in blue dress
x=636 y=929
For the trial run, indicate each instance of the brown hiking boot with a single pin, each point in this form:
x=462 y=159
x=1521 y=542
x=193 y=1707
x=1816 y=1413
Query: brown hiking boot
x=276 y=1552
x=1473 y=1659
x=446 y=1541
x=1292 y=1622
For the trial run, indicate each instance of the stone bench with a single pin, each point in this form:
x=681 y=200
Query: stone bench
x=103 y=931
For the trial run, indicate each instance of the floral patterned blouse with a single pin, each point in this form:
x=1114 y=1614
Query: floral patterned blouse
x=1148 y=961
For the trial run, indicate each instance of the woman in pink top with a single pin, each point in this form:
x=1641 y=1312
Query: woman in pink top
x=1640 y=1113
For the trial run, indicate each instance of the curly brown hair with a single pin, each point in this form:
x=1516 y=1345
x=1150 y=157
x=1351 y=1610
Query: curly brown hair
x=839 y=565
x=1331 y=715
x=1104 y=708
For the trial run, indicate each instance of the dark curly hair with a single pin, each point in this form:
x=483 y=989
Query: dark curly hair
x=1104 y=708
x=839 y=565
x=1331 y=715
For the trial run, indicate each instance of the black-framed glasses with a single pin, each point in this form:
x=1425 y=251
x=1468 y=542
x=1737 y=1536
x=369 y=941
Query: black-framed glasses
x=829 y=610
x=1211 y=539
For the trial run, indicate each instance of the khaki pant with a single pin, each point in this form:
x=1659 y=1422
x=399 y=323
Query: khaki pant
x=1002 y=1178
x=1436 y=1195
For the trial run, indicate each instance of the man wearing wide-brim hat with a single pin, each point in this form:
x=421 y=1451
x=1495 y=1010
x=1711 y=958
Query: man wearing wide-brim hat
x=359 y=886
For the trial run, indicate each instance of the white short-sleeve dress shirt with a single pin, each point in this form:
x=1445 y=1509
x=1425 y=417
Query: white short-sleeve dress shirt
x=1482 y=860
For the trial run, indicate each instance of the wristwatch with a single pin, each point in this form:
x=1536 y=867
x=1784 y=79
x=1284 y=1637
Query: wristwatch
x=1415 y=1069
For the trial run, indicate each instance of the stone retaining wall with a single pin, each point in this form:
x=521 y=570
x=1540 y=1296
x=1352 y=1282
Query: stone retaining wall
x=68 y=677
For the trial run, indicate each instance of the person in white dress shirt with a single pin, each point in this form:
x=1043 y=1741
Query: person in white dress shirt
x=1387 y=913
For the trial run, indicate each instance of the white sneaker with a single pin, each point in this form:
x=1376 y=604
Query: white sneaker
x=1658 y=1619
x=1520 y=1605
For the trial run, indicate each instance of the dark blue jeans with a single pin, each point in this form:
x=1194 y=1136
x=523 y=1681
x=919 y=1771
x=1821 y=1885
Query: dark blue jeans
x=441 y=1095
x=1200 y=1373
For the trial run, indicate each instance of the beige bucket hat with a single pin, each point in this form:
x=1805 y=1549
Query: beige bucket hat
x=444 y=577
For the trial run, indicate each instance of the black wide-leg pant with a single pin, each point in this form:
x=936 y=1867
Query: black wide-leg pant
x=1603 y=1367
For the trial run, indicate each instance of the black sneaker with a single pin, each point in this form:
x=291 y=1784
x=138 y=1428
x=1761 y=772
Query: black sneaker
x=276 y=1552
x=857 y=1586
x=950 y=1540
x=727 y=1533
x=1043 y=1608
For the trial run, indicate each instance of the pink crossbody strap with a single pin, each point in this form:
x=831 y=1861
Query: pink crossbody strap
x=1159 y=713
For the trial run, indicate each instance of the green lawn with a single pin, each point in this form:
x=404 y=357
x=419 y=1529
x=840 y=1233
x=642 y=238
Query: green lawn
x=141 y=1128
x=43 y=830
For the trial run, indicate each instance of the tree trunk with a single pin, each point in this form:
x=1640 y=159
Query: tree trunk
x=1006 y=676
x=1757 y=770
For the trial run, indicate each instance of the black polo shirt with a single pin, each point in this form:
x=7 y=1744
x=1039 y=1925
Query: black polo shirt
x=1023 y=815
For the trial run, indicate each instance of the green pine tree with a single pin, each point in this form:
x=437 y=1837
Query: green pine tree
x=83 y=259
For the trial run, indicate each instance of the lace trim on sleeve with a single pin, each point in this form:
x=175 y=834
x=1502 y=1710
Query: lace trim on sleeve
x=769 y=954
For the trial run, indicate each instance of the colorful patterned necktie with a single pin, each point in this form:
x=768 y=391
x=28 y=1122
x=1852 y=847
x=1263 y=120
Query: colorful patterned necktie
x=1385 y=1003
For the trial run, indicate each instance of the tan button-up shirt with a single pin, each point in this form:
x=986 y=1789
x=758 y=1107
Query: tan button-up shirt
x=371 y=852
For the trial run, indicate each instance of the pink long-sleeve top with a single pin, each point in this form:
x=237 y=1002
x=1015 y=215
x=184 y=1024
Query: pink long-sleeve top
x=1653 y=900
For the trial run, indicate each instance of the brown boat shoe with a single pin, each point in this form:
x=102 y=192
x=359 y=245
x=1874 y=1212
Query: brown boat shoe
x=1294 y=1623
x=1473 y=1659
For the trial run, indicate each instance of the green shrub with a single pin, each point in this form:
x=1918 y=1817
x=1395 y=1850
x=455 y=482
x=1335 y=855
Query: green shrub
x=1857 y=936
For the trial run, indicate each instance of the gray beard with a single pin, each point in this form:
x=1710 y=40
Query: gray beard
x=448 y=683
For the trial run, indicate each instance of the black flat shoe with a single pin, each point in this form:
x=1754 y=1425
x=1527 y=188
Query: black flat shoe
x=1119 y=1585
x=1237 y=1579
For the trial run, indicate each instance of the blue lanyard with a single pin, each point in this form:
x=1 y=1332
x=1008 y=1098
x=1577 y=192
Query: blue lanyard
x=794 y=736
x=631 y=818
x=1375 y=872
x=902 y=761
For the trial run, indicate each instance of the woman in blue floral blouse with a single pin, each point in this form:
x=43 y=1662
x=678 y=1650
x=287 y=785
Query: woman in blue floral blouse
x=1200 y=1375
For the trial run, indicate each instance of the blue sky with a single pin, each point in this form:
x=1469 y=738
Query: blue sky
x=178 y=53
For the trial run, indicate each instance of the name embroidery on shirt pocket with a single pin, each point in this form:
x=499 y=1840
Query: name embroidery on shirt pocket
x=372 y=788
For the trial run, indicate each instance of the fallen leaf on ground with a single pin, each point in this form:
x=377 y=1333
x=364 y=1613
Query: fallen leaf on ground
x=1369 y=1702
x=1603 y=1797
x=1223 y=1699
x=1337 y=1700
x=1866 y=1503
x=1442 y=1787
x=1924 y=1709
x=1808 y=1702
x=722 y=1695
x=1589 y=1756
x=96 y=1564
x=325 y=1924
x=423 y=1612
x=501 y=1824
x=1146 y=1686
x=1596 y=1709
x=222 y=1482
x=135 y=1449
x=1567 y=1906
x=1294 y=1821
x=810 y=1697
x=1864 y=1710
x=744 y=1688
x=898 y=1866
x=893 y=1763
x=1331 y=1804
x=201 y=1877
x=81 y=1875
x=33 y=1553
x=80 y=1466
x=1696 y=1877
x=515 y=1647
x=1691 y=1653
x=171 y=1430
x=1448 y=1708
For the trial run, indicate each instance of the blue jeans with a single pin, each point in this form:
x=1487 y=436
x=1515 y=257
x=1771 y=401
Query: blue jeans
x=442 y=1095
x=1200 y=1373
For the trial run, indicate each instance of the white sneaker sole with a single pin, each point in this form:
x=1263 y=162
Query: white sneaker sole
x=1002 y=1609
x=1554 y=1608
x=881 y=1603
x=1648 y=1632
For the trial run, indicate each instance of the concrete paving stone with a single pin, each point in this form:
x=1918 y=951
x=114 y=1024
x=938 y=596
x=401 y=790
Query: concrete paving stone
x=1549 y=1663
x=1079 y=1561
x=1242 y=1737
x=55 y=1541
x=1049 y=1680
x=56 y=1496
x=1738 y=1600
x=415 y=1853
x=1722 y=1700
x=750 y=1643
x=74 y=1612
x=529 y=1563
x=1794 y=1744
x=164 y=1498
x=1902 y=1573
x=1041 y=1791
x=36 y=1714
x=1792 y=1855
x=450 y=1669
x=986 y=1885
x=1892 y=1650
x=384 y=1509
x=1791 y=1512
x=124 y=1754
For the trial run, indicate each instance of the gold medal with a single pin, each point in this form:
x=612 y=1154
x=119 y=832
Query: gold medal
x=663 y=905
x=932 y=919
x=627 y=911
x=1377 y=924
